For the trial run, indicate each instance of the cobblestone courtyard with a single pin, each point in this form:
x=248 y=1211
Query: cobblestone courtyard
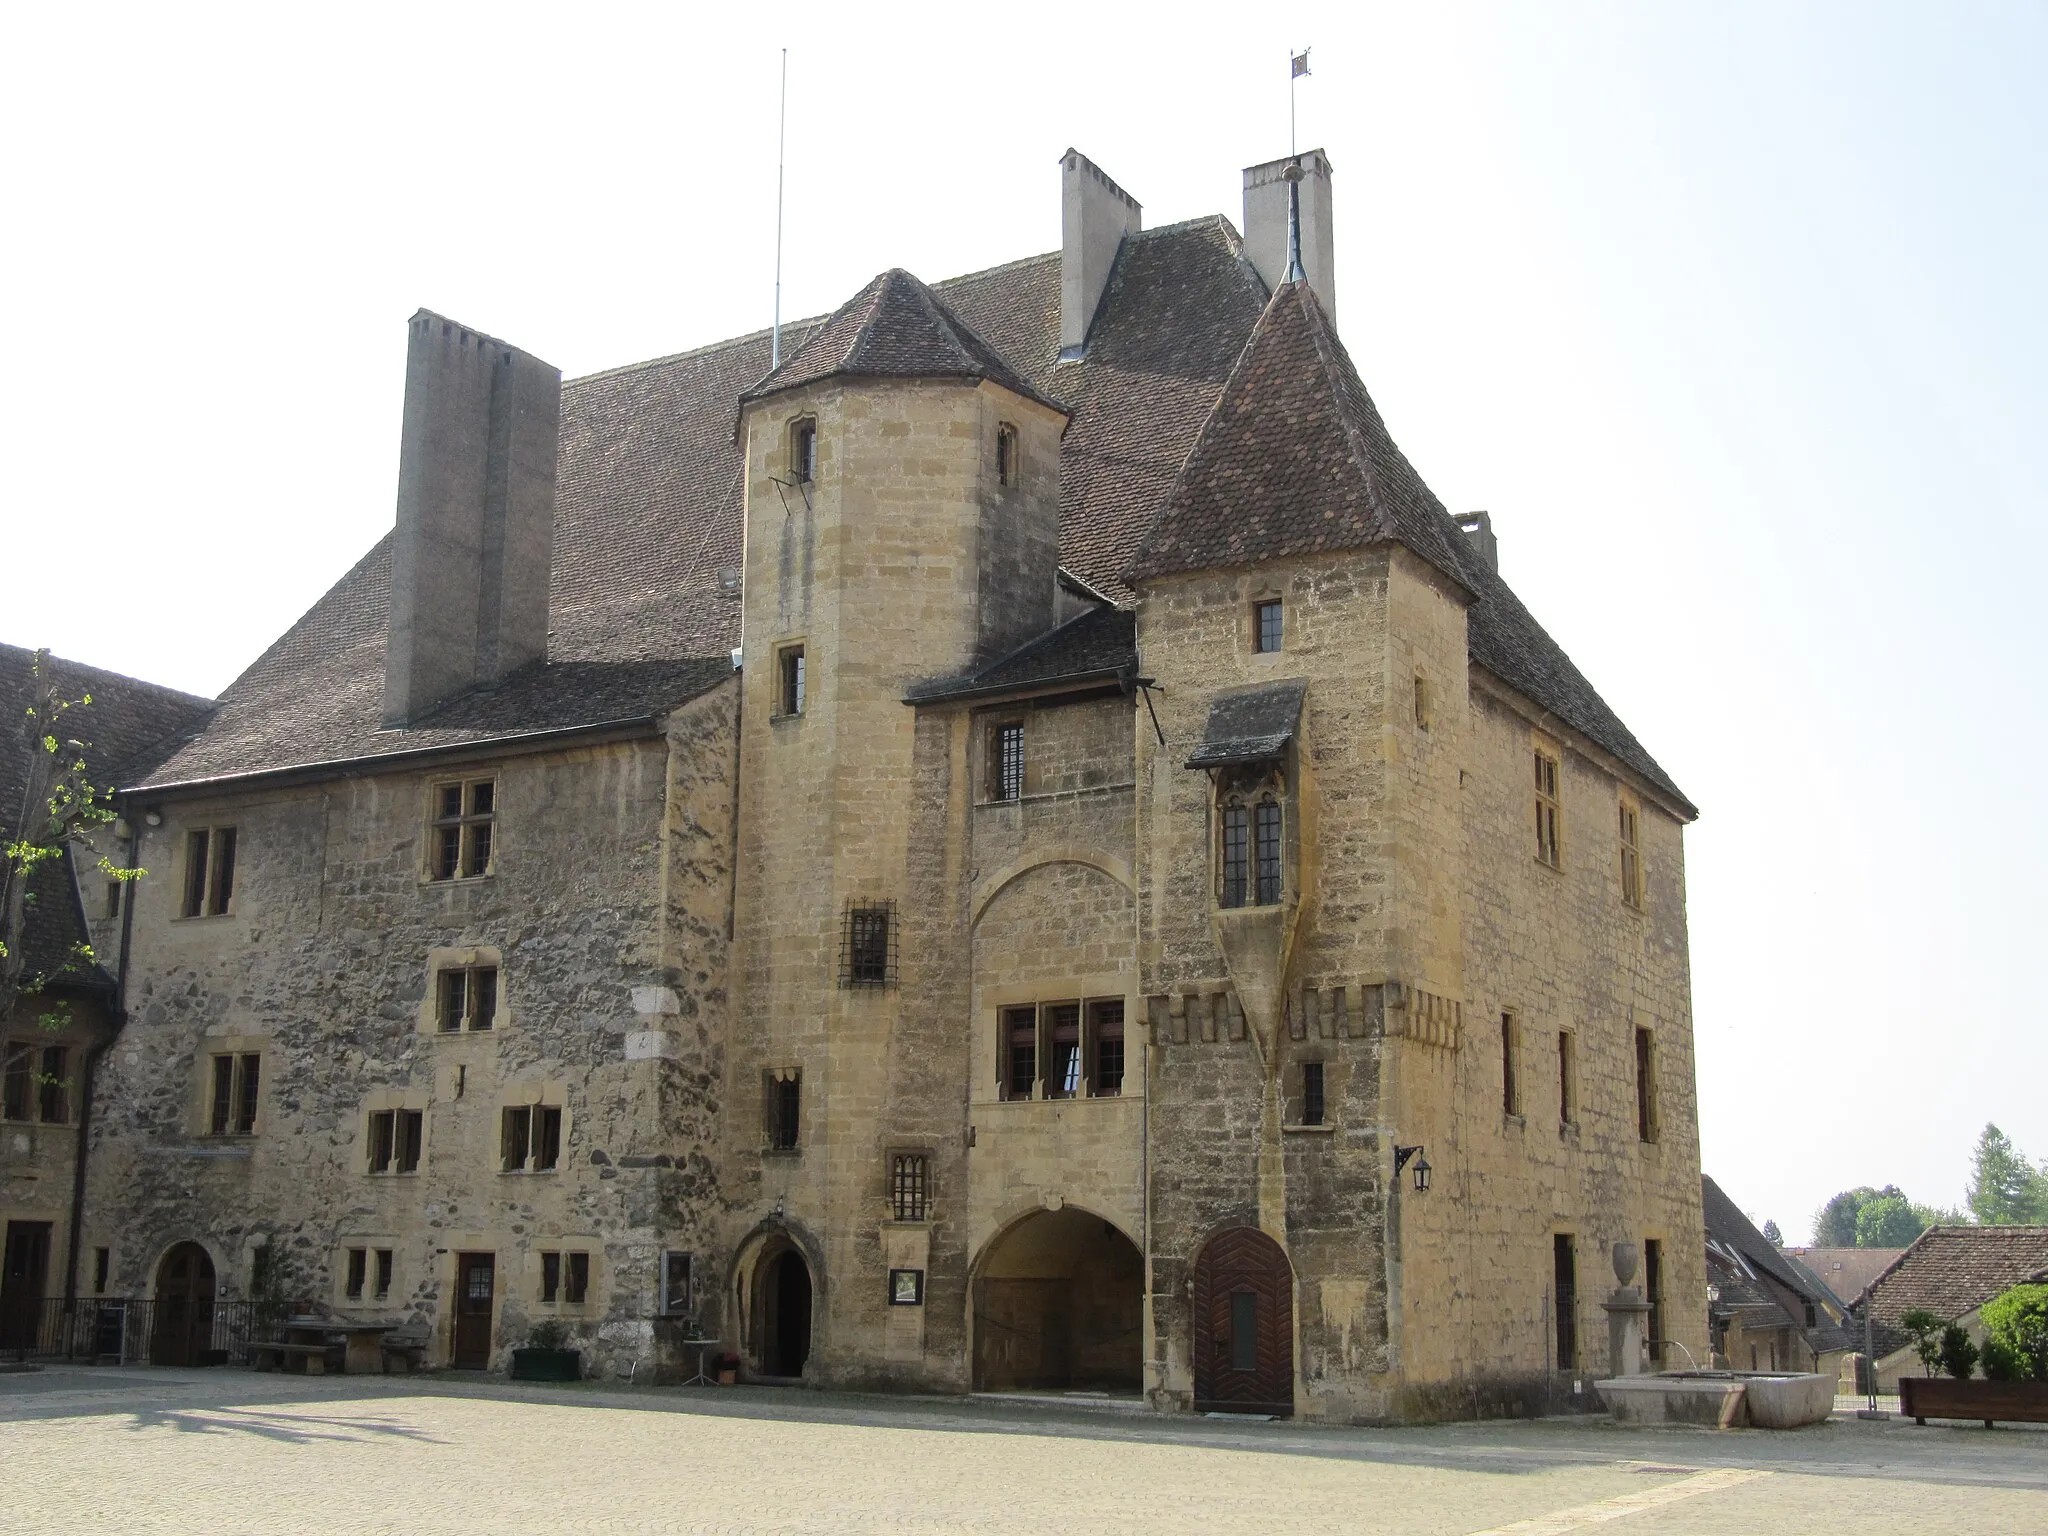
x=140 y=1452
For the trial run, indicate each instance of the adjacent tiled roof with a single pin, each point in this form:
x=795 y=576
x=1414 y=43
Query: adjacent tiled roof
x=1294 y=460
x=1950 y=1271
x=896 y=328
x=1847 y=1271
x=1755 y=1276
x=1099 y=644
x=125 y=718
x=1250 y=725
x=649 y=516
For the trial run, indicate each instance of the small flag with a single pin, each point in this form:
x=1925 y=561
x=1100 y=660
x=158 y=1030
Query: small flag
x=1300 y=61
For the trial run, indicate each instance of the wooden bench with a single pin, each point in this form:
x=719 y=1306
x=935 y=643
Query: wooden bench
x=271 y=1354
x=410 y=1352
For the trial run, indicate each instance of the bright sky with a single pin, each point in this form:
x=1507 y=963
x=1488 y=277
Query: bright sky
x=1731 y=314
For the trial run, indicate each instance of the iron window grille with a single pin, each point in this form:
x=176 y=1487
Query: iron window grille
x=910 y=1186
x=1006 y=762
x=784 y=1094
x=867 y=947
x=465 y=815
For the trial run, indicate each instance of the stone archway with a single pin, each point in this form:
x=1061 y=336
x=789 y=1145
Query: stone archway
x=181 y=1332
x=1059 y=1305
x=1243 y=1317
x=784 y=1302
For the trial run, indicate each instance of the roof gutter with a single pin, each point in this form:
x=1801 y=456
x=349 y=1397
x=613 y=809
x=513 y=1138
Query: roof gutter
x=629 y=728
x=1063 y=683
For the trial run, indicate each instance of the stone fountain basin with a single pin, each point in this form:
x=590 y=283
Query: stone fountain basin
x=1720 y=1399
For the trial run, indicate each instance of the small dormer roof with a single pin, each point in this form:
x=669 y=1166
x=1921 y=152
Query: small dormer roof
x=894 y=328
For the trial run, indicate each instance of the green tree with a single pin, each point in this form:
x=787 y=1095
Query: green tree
x=1889 y=1221
x=1834 y=1224
x=2016 y=1326
x=1772 y=1235
x=60 y=809
x=1958 y=1352
x=2005 y=1189
x=1924 y=1328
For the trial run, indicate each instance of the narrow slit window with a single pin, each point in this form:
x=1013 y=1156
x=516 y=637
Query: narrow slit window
x=1646 y=1086
x=1422 y=701
x=1006 y=761
x=102 y=1267
x=358 y=1271
x=1020 y=1052
x=1653 y=1293
x=1237 y=835
x=550 y=1277
x=790 y=680
x=1266 y=824
x=1311 y=1093
x=1266 y=625
x=220 y=884
x=1062 y=1033
x=1565 y=1283
x=910 y=1186
x=785 y=1106
x=1631 y=856
x=1510 y=1081
x=1567 y=1078
x=803 y=450
x=465 y=816
x=1006 y=454
x=196 y=856
x=1548 y=813
x=221 y=1113
x=1106 y=1042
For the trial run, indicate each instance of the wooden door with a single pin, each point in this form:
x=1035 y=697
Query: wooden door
x=23 y=1282
x=476 y=1288
x=1243 y=1343
x=182 y=1328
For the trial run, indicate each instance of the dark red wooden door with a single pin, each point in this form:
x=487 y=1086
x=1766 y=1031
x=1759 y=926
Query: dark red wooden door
x=1244 y=1324
x=182 y=1331
x=476 y=1289
x=22 y=1282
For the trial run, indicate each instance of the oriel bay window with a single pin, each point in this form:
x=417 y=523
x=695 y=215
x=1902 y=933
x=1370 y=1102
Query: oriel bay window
x=1061 y=1050
x=1253 y=857
x=1246 y=747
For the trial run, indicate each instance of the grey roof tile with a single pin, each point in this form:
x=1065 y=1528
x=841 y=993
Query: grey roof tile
x=1250 y=725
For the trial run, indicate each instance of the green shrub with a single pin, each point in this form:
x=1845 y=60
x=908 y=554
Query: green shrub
x=2000 y=1362
x=547 y=1334
x=1958 y=1354
x=1925 y=1329
x=2018 y=1321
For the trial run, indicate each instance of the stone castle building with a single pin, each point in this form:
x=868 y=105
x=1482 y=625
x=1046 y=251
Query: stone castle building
x=1021 y=848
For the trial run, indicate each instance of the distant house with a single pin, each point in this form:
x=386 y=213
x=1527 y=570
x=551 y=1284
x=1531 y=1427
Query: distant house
x=1847 y=1271
x=1766 y=1311
x=1951 y=1272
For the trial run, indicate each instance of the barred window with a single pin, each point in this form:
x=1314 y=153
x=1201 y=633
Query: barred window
x=783 y=1108
x=464 y=816
x=1006 y=761
x=867 y=955
x=910 y=1186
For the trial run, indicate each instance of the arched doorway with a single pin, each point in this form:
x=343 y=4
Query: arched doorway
x=1059 y=1305
x=1243 y=1324
x=182 y=1330
x=782 y=1311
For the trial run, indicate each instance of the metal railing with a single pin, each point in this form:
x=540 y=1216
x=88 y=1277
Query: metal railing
x=120 y=1330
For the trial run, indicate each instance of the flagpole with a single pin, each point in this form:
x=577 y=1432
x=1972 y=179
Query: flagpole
x=1292 y=75
x=781 y=128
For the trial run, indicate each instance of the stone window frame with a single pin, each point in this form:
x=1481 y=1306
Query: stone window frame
x=565 y=1251
x=800 y=449
x=1629 y=852
x=31 y=1082
x=1548 y=801
x=1089 y=1023
x=1646 y=1069
x=371 y=1246
x=206 y=889
x=1267 y=604
x=1009 y=466
x=910 y=1193
x=239 y=1047
x=1250 y=789
x=549 y=1094
x=470 y=957
x=782 y=1111
x=467 y=823
x=792 y=697
x=392 y=1101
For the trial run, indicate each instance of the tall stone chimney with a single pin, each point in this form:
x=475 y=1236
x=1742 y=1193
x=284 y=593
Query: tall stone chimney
x=1478 y=527
x=476 y=515
x=1265 y=225
x=1095 y=215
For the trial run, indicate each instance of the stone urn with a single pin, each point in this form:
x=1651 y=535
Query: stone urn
x=1626 y=1257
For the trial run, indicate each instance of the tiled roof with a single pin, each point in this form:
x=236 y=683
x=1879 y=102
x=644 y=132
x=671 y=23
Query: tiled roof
x=1294 y=460
x=125 y=718
x=648 y=516
x=1753 y=1272
x=1950 y=1271
x=1847 y=1271
x=1250 y=725
x=896 y=328
x=1100 y=643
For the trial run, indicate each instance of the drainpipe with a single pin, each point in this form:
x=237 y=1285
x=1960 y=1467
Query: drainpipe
x=91 y=1070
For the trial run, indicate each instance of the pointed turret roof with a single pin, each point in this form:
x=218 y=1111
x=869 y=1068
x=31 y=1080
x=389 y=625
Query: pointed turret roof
x=1294 y=460
x=894 y=328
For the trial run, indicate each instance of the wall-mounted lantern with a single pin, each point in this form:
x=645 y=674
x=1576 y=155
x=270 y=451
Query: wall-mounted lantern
x=1422 y=1168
